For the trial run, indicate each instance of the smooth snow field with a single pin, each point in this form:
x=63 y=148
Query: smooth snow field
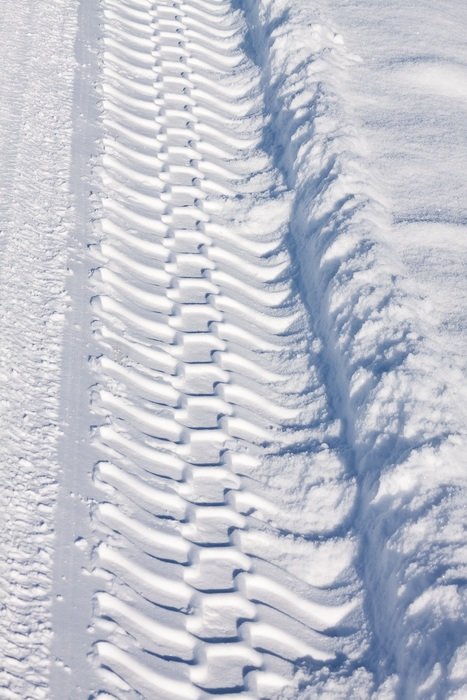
x=233 y=350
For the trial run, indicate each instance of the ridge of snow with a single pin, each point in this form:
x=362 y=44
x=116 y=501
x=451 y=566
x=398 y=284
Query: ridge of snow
x=405 y=419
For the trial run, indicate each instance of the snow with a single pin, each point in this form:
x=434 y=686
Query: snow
x=35 y=220
x=233 y=350
x=409 y=97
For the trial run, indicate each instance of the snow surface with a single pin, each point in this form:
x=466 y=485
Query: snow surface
x=233 y=350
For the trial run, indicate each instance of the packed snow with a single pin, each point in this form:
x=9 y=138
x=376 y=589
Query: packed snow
x=233 y=259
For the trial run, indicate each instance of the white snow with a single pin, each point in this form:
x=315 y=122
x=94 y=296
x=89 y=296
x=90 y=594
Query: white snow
x=233 y=350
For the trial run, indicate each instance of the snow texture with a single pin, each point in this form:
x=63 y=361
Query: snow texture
x=233 y=350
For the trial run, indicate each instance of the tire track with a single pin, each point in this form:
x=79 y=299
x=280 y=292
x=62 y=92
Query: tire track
x=215 y=430
x=35 y=223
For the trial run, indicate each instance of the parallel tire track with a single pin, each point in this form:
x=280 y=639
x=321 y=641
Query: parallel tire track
x=204 y=384
x=36 y=91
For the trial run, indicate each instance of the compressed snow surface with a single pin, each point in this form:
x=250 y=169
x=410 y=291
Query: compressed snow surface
x=233 y=350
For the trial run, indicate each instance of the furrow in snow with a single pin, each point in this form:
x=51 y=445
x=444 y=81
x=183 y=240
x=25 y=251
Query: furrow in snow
x=205 y=386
